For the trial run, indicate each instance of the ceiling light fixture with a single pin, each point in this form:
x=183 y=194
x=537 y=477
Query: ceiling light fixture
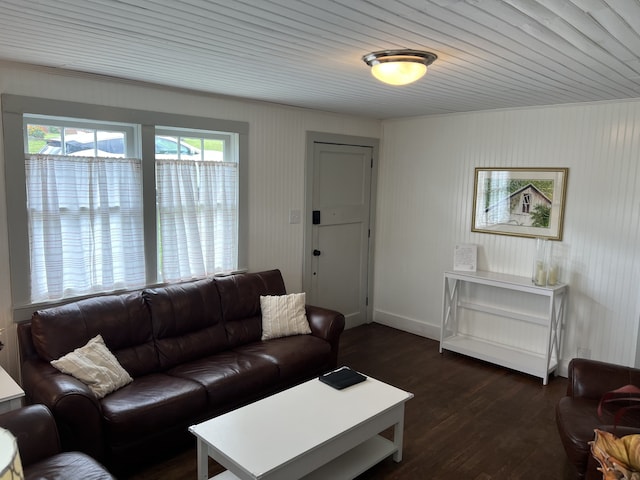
x=399 y=67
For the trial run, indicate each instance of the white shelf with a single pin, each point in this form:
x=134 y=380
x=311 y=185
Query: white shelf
x=348 y=465
x=503 y=355
x=500 y=312
x=503 y=280
x=356 y=461
x=226 y=475
x=551 y=319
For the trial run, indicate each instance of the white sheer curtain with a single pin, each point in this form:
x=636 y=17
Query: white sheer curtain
x=85 y=225
x=198 y=218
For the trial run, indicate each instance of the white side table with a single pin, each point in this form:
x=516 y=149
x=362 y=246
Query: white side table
x=11 y=394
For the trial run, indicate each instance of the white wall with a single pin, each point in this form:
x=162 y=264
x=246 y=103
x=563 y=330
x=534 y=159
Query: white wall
x=425 y=206
x=424 y=198
x=277 y=152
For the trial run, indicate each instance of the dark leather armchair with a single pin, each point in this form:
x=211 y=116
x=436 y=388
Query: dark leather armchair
x=40 y=451
x=577 y=412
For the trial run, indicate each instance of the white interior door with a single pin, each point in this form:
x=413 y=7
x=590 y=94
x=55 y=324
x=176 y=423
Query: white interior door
x=341 y=207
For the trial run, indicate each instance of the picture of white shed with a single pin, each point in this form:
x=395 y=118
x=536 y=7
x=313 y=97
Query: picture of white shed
x=518 y=207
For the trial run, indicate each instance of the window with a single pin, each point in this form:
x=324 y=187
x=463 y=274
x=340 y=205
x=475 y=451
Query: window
x=104 y=204
x=526 y=202
x=197 y=203
x=84 y=208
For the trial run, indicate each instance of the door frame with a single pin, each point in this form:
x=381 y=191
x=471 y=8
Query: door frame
x=347 y=140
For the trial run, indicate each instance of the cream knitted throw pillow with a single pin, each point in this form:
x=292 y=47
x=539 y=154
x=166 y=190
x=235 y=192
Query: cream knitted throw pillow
x=283 y=315
x=95 y=366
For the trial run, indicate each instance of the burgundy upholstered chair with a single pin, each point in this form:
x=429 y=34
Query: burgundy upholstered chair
x=40 y=451
x=577 y=413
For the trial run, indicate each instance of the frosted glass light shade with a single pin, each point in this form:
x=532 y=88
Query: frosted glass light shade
x=10 y=464
x=399 y=67
x=398 y=73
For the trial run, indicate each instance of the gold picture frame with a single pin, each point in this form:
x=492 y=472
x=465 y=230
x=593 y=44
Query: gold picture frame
x=522 y=202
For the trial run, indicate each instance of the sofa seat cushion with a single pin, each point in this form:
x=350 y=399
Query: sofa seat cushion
x=296 y=357
x=229 y=377
x=66 y=466
x=149 y=404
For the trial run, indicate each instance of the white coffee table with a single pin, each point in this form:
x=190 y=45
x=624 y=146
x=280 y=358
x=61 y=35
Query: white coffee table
x=310 y=431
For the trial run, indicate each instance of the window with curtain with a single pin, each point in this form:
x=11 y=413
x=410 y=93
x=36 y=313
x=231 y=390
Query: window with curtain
x=85 y=225
x=85 y=205
x=197 y=203
x=84 y=208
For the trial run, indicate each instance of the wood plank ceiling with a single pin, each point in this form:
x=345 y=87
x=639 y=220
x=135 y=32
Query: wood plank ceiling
x=307 y=53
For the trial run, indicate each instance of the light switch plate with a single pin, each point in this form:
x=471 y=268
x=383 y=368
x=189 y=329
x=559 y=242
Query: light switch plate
x=294 y=216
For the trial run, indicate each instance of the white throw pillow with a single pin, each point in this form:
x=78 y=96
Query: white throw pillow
x=283 y=315
x=95 y=366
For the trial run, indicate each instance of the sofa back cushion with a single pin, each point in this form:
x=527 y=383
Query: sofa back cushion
x=187 y=321
x=122 y=320
x=240 y=299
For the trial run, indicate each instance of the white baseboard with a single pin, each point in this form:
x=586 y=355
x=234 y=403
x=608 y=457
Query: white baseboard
x=410 y=325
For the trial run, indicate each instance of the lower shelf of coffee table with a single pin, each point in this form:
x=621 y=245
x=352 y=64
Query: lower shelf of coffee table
x=348 y=465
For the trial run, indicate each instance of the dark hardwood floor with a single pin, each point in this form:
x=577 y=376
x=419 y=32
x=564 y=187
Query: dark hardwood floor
x=468 y=420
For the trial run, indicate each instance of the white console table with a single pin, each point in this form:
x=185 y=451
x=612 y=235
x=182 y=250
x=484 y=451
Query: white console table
x=550 y=319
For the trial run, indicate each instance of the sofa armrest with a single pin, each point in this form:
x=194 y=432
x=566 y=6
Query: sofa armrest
x=76 y=410
x=35 y=430
x=593 y=378
x=328 y=325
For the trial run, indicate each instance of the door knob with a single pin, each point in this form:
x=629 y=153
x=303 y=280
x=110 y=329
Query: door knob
x=316 y=253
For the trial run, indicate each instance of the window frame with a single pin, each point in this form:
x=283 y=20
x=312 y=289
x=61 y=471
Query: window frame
x=14 y=107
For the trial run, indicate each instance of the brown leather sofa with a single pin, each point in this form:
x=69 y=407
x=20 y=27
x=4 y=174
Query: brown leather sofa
x=577 y=412
x=194 y=351
x=40 y=450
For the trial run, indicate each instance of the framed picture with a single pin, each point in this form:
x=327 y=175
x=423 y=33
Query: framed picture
x=524 y=202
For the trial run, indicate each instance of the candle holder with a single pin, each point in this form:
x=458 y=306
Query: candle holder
x=541 y=262
x=553 y=276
